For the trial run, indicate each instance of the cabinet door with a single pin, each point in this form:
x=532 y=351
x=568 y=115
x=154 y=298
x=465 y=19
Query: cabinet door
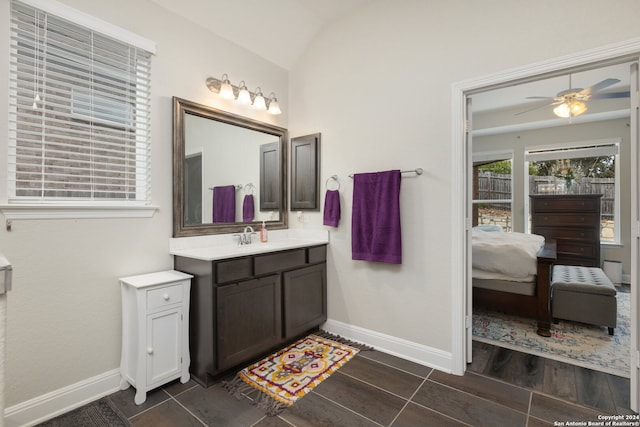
x=305 y=299
x=164 y=345
x=249 y=320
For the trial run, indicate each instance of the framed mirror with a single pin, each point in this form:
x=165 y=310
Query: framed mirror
x=229 y=171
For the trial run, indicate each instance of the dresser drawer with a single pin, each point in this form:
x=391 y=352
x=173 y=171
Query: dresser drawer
x=160 y=297
x=590 y=234
x=280 y=261
x=571 y=220
x=565 y=204
x=235 y=269
x=573 y=248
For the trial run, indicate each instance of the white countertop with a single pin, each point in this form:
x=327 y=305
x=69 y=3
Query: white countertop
x=221 y=246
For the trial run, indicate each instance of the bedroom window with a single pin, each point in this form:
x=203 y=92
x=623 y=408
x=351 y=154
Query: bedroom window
x=587 y=169
x=79 y=109
x=492 y=194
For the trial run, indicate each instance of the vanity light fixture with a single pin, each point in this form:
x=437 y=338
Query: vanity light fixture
x=274 y=107
x=225 y=89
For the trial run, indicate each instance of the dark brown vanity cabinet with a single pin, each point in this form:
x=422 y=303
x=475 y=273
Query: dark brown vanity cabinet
x=249 y=319
x=244 y=308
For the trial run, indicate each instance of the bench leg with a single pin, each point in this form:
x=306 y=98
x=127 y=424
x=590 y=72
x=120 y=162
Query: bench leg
x=611 y=331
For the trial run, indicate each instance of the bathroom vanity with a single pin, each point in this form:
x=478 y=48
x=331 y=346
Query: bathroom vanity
x=249 y=300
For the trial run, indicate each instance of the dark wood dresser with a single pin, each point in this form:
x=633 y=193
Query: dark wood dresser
x=574 y=222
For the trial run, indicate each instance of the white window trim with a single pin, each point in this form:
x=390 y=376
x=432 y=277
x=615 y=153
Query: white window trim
x=24 y=211
x=495 y=156
x=595 y=151
x=89 y=209
x=63 y=11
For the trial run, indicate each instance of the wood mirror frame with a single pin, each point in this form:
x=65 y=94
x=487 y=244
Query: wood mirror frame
x=181 y=108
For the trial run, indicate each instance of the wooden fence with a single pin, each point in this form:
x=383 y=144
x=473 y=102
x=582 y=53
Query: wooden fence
x=494 y=186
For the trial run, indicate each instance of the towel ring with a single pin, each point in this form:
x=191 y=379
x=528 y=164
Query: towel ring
x=332 y=178
x=248 y=187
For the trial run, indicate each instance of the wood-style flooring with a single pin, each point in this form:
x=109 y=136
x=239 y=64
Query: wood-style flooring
x=500 y=388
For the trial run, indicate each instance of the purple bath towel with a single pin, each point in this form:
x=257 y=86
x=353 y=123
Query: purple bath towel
x=331 y=215
x=375 y=222
x=247 y=208
x=224 y=203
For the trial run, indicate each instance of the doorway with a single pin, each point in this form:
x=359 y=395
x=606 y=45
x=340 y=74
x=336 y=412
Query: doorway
x=462 y=119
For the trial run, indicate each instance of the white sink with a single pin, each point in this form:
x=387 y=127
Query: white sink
x=221 y=246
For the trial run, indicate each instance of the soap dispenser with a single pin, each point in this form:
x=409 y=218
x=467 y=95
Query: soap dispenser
x=263 y=233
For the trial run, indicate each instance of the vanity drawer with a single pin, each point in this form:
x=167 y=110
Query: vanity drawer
x=317 y=254
x=280 y=261
x=161 y=297
x=235 y=269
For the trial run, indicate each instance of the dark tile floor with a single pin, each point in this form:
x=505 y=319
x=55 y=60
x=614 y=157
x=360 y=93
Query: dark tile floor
x=501 y=388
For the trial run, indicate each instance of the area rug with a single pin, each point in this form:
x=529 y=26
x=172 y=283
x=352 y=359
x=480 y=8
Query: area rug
x=280 y=379
x=575 y=343
x=101 y=413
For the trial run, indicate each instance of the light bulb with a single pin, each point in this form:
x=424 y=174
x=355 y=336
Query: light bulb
x=226 y=90
x=562 y=110
x=274 y=107
x=244 y=97
x=259 y=102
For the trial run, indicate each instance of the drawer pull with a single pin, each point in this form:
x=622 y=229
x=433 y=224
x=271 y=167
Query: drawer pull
x=166 y=297
x=149 y=351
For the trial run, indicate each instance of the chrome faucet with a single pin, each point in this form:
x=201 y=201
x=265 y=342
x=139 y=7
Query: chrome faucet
x=245 y=237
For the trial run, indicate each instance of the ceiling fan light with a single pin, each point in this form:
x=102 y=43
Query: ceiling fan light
x=577 y=108
x=562 y=110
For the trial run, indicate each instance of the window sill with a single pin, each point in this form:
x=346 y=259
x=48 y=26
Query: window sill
x=26 y=211
x=610 y=244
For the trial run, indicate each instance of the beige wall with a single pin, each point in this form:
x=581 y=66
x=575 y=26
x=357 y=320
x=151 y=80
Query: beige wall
x=378 y=86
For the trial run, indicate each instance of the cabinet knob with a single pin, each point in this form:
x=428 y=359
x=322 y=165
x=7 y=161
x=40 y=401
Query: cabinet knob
x=166 y=297
x=149 y=350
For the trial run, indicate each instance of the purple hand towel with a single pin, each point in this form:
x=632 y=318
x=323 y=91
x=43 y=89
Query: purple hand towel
x=375 y=222
x=331 y=214
x=224 y=203
x=247 y=208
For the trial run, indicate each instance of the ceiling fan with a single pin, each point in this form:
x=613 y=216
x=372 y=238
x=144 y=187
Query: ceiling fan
x=571 y=102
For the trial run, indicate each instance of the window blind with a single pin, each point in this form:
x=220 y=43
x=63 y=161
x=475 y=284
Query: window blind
x=79 y=113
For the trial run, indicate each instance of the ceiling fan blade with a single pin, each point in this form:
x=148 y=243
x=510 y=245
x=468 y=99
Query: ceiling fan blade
x=536 y=108
x=550 y=98
x=598 y=86
x=610 y=95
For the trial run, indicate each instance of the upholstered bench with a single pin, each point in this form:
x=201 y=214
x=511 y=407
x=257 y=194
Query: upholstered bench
x=583 y=294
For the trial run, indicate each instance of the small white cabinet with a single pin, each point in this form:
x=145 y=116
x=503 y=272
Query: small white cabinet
x=155 y=330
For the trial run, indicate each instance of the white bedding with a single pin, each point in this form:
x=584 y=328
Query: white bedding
x=511 y=254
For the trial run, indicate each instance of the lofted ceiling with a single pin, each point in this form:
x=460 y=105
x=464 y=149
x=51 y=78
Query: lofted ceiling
x=277 y=30
x=281 y=30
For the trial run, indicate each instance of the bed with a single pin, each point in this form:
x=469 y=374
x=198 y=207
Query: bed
x=512 y=274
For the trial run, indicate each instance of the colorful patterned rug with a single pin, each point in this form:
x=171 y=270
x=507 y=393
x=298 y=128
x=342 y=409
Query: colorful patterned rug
x=575 y=343
x=280 y=379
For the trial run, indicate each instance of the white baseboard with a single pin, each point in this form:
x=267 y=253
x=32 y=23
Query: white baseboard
x=418 y=353
x=59 y=401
